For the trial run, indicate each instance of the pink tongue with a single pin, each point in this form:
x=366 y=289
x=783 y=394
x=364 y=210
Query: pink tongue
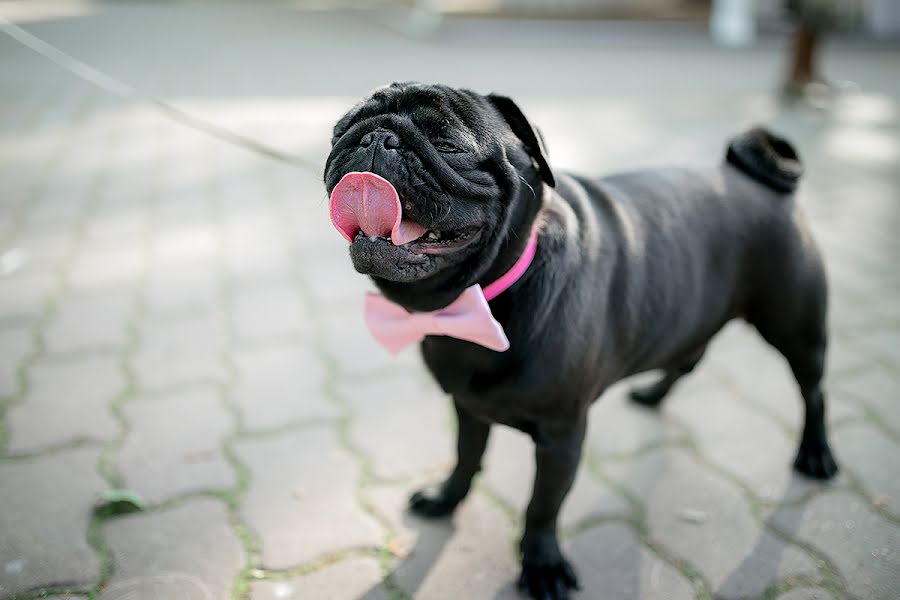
x=369 y=203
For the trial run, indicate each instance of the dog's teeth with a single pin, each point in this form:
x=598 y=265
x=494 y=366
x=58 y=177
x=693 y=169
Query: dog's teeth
x=373 y=238
x=433 y=236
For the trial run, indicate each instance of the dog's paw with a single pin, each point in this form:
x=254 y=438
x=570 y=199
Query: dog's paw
x=546 y=574
x=816 y=463
x=431 y=506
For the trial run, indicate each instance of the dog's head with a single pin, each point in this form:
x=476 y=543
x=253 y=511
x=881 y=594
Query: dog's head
x=435 y=188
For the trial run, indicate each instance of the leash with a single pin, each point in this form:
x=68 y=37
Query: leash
x=128 y=92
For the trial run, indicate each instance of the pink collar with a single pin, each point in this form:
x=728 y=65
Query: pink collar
x=510 y=277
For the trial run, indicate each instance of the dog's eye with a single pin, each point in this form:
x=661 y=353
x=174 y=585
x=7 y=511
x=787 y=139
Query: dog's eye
x=444 y=146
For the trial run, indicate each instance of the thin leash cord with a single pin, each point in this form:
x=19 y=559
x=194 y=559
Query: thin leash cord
x=121 y=89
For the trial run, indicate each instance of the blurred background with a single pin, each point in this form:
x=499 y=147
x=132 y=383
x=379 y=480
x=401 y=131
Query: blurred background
x=191 y=407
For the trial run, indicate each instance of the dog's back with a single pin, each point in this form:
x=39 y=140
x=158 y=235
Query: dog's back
x=699 y=247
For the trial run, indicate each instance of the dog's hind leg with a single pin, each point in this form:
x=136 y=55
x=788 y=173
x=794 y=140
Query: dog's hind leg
x=801 y=337
x=653 y=394
x=472 y=437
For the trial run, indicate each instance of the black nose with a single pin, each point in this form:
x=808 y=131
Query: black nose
x=388 y=139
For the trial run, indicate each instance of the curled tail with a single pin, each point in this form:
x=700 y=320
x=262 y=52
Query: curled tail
x=766 y=158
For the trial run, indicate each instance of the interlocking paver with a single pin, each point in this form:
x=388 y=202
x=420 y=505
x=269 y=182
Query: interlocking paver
x=749 y=447
x=188 y=551
x=807 y=594
x=268 y=311
x=415 y=437
x=46 y=506
x=106 y=268
x=332 y=284
x=705 y=521
x=89 y=322
x=349 y=579
x=859 y=445
x=23 y=295
x=885 y=342
x=350 y=345
x=15 y=344
x=301 y=499
x=470 y=556
x=190 y=245
x=509 y=472
x=179 y=289
x=878 y=388
x=280 y=384
x=174 y=445
x=617 y=427
x=610 y=560
x=860 y=543
x=179 y=351
x=65 y=402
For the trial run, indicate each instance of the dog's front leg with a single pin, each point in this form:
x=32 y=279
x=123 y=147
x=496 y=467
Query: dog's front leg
x=471 y=441
x=546 y=574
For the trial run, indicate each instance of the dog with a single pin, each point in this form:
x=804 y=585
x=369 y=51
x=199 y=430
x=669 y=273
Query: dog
x=443 y=191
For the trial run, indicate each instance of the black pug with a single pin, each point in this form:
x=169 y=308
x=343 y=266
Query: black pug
x=632 y=272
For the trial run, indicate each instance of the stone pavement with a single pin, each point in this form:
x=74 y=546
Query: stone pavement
x=178 y=319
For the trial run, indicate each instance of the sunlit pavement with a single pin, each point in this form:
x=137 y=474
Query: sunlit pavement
x=177 y=318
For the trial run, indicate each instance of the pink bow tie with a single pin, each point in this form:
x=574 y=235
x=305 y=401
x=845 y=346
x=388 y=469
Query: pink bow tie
x=467 y=318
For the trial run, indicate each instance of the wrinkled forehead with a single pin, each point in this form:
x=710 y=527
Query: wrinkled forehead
x=434 y=109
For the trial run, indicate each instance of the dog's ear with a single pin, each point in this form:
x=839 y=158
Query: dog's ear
x=529 y=135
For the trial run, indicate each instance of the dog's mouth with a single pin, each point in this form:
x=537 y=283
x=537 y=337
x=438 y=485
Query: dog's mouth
x=430 y=242
x=365 y=209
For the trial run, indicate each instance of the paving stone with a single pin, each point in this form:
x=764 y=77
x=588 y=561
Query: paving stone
x=611 y=562
x=15 y=344
x=66 y=401
x=740 y=355
x=176 y=288
x=269 y=311
x=46 y=509
x=116 y=228
x=349 y=343
x=278 y=385
x=885 y=342
x=188 y=552
x=101 y=268
x=334 y=283
x=400 y=423
x=89 y=322
x=509 y=472
x=471 y=555
x=875 y=460
x=704 y=520
x=752 y=448
x=45 y=249
x=191 y=245
x=174 y=444
x=255 y=248
x=860 y=543
x=807 y=594
x=302 y=497
x=24 y=294
x=845 y=354
x=617 y=427
x=350 y=579
x=878 y=388
x=179 y=351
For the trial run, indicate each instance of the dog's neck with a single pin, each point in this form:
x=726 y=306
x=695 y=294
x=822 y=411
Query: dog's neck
x=440 y=291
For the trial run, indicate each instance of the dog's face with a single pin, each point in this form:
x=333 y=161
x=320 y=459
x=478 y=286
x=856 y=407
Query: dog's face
x=468 y=170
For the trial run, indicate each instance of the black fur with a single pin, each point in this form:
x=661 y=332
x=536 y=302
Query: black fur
x=633 y=272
